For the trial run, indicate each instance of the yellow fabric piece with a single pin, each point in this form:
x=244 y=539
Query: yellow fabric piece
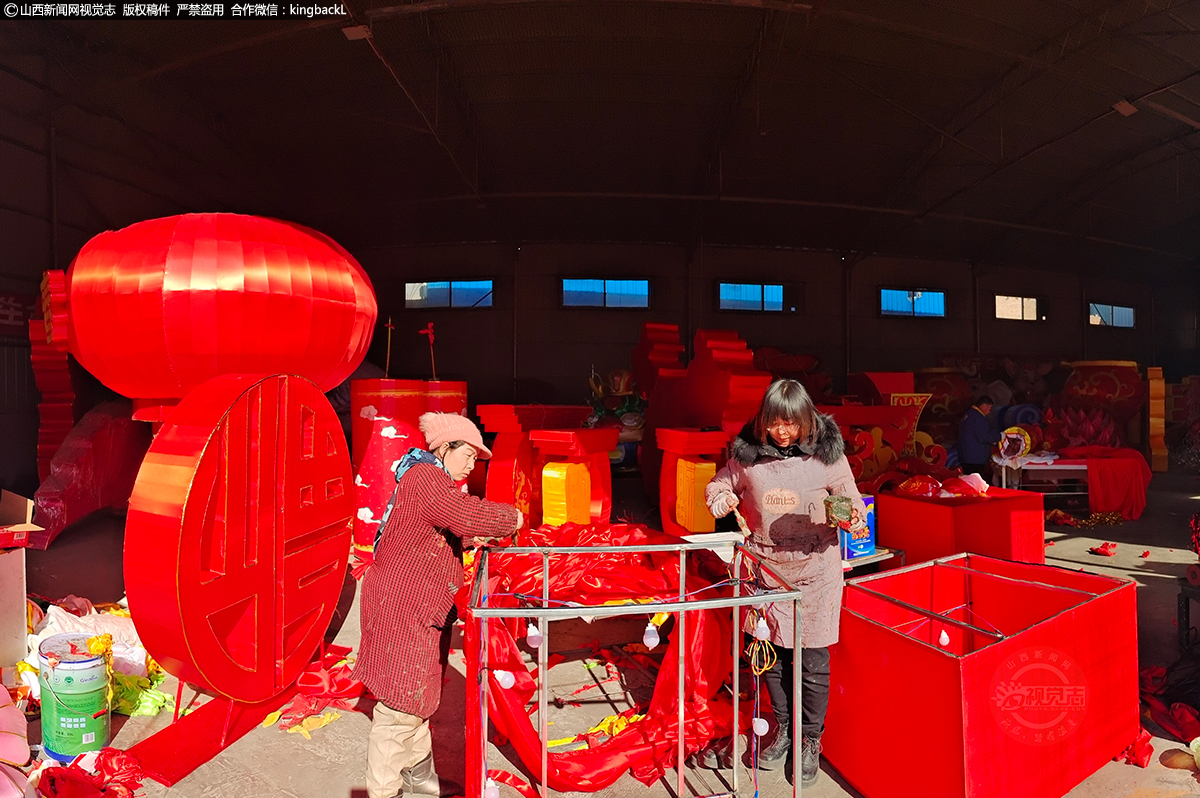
x=272 y=719
x=566 y=494
x=692 y=476
x=615 y=724
x=33 y=616
x=659 y=618
x=612 y=726
x=312 y=723
x=102 y=644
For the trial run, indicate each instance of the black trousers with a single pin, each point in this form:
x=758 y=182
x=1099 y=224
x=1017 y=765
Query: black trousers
x=974 y=468
x=814 y=680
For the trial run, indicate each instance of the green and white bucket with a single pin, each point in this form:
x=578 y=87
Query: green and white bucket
x=75 y=711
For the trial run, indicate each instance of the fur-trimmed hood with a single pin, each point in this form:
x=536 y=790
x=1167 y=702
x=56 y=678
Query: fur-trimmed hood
x=747 y=449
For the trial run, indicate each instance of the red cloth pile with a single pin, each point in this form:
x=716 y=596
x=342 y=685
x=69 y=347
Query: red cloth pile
x=118 y=775
x=321 y=687
x=1060 y=518
x=1117 y=479
x=1179 y=720
x=646 y=747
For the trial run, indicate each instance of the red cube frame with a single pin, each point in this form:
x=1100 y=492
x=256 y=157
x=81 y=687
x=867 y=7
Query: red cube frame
x=976 y=677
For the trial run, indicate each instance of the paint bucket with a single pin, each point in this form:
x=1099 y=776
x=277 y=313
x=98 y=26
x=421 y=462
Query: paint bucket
x=75 y=711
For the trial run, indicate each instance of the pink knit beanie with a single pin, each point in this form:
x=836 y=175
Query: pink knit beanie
x=439 y=428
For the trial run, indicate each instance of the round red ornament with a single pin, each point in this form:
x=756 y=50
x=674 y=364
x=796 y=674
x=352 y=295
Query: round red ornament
x=157 y=308
x=238 y=534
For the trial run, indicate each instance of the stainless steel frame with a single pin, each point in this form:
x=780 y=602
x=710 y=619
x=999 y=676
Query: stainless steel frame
x=481 y=609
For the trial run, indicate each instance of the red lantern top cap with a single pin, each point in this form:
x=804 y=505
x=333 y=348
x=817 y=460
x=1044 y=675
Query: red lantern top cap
x=161 y=306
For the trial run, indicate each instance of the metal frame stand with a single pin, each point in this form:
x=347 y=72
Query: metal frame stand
x=483 y=611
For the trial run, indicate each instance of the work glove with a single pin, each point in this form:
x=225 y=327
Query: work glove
x=722 y=504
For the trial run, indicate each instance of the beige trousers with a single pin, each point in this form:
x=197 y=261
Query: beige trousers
x=397 y=742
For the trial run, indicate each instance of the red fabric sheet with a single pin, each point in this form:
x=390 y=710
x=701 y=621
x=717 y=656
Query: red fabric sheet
x=647 y=747
x=1117 y=479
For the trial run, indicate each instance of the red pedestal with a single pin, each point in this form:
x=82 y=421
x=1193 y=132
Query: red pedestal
x=384 y=416
x=676 y=443
x=1008 y=524
x=514 y=474
x=1033 y=687
x=588 y=446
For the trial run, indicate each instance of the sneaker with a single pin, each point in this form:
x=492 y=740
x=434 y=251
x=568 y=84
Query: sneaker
x=772 y=756
x=810 y=760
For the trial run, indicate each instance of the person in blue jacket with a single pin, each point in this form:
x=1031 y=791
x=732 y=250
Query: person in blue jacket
x=976 y=434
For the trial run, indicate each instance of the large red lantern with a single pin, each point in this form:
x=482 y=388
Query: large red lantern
x=160 y=307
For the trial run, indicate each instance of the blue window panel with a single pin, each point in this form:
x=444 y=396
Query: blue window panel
x=773 y=297
x=583 y=293
x=627 y=293
x=929 y=303
x=740 y=296
x=427 y=295
x=894 y=302
x=1101 y=315
x=471 y=293
x=1122 y=317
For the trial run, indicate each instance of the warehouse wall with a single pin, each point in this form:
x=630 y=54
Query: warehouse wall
x=530 y=348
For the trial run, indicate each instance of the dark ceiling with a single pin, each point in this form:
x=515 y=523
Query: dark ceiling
x=989 y=129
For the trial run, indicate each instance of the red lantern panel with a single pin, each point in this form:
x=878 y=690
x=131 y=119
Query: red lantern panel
x=238 y=534
x=159 y=307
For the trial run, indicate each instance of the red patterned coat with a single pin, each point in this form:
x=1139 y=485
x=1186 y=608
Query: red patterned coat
x=408 y=592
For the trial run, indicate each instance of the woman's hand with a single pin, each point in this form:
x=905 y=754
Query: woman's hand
x=723 y=503
x=520 y=519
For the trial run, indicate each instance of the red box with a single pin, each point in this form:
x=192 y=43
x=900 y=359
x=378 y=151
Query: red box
x=1009 y=524
x=1032 y=688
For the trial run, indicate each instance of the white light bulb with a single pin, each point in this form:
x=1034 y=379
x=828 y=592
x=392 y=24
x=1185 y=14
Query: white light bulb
x=650 y=637
x=490 y=790
x=943 y=639
x=533 y=635
x=760 y=726
x=761 y=632
x=505 y=679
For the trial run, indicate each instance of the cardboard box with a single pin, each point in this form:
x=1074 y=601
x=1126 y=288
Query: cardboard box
x=16 y=520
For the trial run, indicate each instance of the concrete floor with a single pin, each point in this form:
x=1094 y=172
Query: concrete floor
x=270 y=762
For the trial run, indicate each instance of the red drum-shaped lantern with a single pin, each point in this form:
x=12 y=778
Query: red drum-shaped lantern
x=160 y=307
x=238 y=534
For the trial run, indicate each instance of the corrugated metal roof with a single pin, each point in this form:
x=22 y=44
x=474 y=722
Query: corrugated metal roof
x=990 y=109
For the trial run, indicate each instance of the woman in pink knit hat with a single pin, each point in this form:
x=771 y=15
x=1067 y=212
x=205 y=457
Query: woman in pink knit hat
x=407 y=600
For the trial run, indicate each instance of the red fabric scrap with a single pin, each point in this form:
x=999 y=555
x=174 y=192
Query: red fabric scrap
x=1145 y=554
x=1139 y=751
x=1060 y=518
x=118 y=775
x=320 y=688
x=1105 y=549
x=362 y=560
x=1181 y=721
x=1152 y=680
